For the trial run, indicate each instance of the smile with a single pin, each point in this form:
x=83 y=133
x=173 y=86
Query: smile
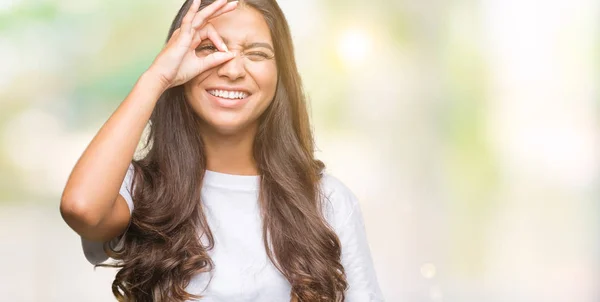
x=226 y=94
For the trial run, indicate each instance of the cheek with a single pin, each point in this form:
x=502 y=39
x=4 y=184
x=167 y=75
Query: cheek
x=266 y=78
x=194 y=96
x=193 y=88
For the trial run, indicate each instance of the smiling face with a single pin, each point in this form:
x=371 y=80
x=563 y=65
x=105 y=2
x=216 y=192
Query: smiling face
x=230 y=97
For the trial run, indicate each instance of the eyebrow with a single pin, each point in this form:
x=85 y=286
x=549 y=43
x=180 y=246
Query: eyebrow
x=259 y=44
x=254 y=45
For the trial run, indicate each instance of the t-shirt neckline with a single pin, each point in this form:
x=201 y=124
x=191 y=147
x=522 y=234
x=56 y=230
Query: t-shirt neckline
x=231 y=181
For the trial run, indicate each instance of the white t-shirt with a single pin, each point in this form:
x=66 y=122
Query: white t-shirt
x=242 y=271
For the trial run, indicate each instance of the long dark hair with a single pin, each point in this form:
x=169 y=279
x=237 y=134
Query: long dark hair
x=161 y=249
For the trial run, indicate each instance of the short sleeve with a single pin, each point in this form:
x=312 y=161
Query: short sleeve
x=94 y=250
x=126 y=190
x=347 y=221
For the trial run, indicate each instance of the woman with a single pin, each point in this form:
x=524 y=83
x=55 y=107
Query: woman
x=229 y=203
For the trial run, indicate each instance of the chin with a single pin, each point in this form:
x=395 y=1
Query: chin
x=226 y=126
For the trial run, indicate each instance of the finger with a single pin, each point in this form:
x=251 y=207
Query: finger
x=184 y=37
x=203 y=15
x=209 y=31
x=189 y=16
x=174 y=36
x=227 y=8
x=185 y=30
x=215 y=59
x=178 y=39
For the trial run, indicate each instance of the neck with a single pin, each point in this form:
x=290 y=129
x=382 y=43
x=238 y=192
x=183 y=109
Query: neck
x=231 y=153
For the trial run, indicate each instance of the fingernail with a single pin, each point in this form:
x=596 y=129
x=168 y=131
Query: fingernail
x=225 y=47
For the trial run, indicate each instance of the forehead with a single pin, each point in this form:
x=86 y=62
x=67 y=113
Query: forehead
x=244 y=24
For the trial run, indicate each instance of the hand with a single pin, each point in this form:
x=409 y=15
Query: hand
x=178 y=63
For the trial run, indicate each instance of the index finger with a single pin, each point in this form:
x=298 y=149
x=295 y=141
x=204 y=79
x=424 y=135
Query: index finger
x=209 y=32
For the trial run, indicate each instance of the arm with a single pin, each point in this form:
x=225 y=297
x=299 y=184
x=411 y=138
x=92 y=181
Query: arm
x=90 y=203
x=94 y=251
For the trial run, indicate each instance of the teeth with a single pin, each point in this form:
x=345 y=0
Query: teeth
x=228 y=94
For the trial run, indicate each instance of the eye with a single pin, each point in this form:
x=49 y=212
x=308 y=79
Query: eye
x=258 y=56
x=206 y=47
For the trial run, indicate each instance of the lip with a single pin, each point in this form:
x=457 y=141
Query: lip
x=228 y=103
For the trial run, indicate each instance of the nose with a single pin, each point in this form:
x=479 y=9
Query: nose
x=233 y=69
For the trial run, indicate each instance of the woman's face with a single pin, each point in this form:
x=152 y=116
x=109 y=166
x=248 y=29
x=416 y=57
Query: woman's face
x=230 y=97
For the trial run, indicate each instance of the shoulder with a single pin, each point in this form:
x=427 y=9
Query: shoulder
x=339 y=201
x=332 y=185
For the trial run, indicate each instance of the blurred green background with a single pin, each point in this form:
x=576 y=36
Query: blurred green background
x=468 y=129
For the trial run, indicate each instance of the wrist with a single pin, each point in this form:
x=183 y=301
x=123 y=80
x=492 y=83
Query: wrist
x=152 y=81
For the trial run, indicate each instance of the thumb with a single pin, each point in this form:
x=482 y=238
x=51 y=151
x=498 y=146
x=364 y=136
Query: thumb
x=216 y=58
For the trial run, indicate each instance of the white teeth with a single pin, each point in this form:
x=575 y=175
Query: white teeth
x=228 y=94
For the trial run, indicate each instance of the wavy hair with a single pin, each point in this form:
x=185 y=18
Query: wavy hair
x=161 y=251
